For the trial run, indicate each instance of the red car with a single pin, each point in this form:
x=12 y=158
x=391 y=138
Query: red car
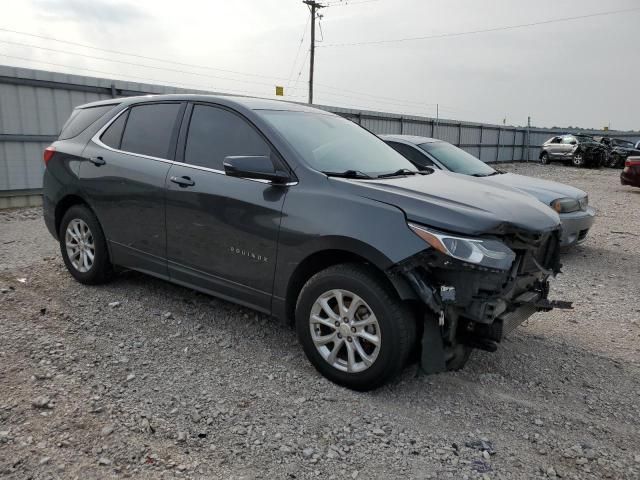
x=631 y=173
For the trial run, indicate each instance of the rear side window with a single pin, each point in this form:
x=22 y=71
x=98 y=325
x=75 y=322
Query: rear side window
x=215 y=133
x=80 y=119
x=112 y=136
x=149 y=129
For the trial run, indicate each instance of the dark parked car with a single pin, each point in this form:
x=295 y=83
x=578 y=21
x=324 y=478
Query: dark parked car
x=580 y=150
x=304 y=215
x=631 y=173
x=571 y=203
x=618 y=150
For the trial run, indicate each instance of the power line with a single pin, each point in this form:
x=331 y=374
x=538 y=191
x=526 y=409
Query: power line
x=67 y=52
x=485 y=30
x=135 y=55
x=205 y=88
x=347 y=3
x=124 y=62
x=295 y=61
x=345 y=93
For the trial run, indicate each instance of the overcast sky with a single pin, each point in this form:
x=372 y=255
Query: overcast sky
x=580 y=73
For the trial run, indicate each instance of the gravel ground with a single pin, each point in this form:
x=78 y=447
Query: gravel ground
x=143 y=379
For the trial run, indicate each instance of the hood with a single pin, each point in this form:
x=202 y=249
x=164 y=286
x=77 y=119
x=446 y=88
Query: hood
x=457 y=203
x=544 y=190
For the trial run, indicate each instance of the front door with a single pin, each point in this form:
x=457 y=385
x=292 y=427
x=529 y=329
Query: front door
x=124 y=175
x=222 y=232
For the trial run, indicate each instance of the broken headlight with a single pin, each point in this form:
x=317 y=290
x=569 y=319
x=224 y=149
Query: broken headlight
x=485 y=252
x=565 y=205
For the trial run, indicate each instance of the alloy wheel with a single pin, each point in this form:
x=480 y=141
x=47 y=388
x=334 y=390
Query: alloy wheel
x=345 y=331
x=80 y=245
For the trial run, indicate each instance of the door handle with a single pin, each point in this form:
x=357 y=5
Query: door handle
x=97 y=161
x=183 y=181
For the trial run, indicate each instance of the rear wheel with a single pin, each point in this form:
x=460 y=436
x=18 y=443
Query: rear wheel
x=577 y=160
x=353 y=328
x=83 y=246
x=544 y=158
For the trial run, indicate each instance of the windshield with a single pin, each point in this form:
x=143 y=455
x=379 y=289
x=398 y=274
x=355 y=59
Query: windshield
x=585 y=138
x=456 y=159
x=329 y=143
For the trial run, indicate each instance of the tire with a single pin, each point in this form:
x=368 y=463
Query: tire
x=393 y=326
x=577 y=161
x=79 y=226
x=544 y=158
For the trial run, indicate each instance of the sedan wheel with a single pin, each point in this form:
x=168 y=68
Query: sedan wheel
x=345 y=331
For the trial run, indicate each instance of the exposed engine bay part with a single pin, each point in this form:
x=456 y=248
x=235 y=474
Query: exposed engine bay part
x=467 y=306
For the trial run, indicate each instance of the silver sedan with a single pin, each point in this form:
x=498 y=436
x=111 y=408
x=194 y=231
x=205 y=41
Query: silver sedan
x=571 y=203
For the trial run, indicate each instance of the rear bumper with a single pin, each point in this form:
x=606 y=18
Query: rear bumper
x=49 y=214
x=575 y=226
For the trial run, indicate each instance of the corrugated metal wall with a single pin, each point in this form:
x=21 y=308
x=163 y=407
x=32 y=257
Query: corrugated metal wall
x=34 y=104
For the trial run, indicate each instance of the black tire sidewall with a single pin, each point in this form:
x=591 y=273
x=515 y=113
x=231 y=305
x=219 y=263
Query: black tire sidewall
x=101 y=268
x=393 y=350
x=545 y=158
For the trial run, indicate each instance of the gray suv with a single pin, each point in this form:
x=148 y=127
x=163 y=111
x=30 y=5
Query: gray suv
x=303 y=215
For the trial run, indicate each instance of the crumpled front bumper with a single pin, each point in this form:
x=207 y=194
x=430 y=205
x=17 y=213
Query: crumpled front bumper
x=476 y=306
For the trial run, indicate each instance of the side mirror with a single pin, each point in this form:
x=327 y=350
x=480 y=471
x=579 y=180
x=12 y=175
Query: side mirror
x=256 y=167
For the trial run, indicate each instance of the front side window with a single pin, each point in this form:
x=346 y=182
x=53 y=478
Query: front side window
x=329 y=143
x=149 y=129
x=215 y=133
x=457 y=160
x=555 y=140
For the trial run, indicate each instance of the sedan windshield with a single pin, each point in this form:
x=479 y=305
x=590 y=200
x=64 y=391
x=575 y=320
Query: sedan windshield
x=332 y=144
x=457 y=160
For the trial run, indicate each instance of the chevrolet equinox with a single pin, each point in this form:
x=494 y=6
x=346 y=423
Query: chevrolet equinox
x=304 y=215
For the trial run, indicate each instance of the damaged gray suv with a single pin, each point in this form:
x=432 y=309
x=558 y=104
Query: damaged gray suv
x=303 y=215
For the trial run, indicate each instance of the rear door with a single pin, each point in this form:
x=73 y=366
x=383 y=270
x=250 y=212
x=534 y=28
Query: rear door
x=124 y=177
x=222 y=232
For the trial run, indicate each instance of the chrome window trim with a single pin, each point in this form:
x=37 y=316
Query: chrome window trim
x=96 y=139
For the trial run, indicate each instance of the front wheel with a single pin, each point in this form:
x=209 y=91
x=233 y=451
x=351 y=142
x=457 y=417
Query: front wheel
x=83 y=246
x=544 y=158
x=353 y=328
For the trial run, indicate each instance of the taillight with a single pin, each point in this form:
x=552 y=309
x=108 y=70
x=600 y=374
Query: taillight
x=632 y=162
x=48 y=154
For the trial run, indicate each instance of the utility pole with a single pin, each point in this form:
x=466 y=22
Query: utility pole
x=528 y=138
x=313 y=7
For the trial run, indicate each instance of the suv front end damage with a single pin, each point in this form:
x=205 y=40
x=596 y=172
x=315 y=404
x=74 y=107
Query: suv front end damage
x=473 y=302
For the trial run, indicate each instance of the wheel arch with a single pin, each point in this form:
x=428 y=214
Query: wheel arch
x=328 y=257
x=64 y=204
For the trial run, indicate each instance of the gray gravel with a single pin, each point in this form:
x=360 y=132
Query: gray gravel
x=143 y=379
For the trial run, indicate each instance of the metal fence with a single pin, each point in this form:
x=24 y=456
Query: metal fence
x=34 y=104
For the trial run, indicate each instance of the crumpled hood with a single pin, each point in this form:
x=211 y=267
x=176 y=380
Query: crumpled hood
x=457 y=203
x=544 y=190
